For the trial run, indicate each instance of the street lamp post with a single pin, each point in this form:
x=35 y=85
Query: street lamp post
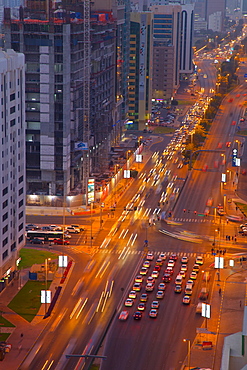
x=189 y=351
x=91 y=226
x=46 y=276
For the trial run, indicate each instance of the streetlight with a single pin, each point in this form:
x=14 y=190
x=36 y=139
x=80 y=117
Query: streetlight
x=46 y=275
x=127 y=158
x=189 y=351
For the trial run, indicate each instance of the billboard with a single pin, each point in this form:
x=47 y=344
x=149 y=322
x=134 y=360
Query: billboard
x=81 y=146
x=90 y=190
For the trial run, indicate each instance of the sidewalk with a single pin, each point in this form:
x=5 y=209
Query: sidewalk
x=24 y=334
x=227 y=309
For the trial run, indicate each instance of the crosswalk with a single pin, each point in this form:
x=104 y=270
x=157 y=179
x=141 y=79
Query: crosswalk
x=138 y=252
x=195 y=220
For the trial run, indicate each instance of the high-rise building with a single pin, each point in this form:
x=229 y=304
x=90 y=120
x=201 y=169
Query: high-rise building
x=12 y=161
x=140 y=69
x=186 y=45
x=121 y=12
x=166 y=50
x=53 y=43
x=212 y=7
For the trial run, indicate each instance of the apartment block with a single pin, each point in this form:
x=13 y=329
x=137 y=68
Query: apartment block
x=12 y=162
x=140 y=69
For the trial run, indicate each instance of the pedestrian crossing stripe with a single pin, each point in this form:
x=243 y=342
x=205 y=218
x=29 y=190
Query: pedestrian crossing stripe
x=139 y=252
x=180 y=219
x=156 y=253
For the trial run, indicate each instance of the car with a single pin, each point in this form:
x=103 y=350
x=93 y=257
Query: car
x=138 y=279
x=169 y=270
x=196 y=267
x=146 y=264
x=186 y=299
x=153 y=313
x=209 y=202
x=221 y=212
x=162 y=286
x=162 y=256
x=193 y=275
x=166 y=278
x=72 y=230
x=123 y=316
x=188 y=290
x=137 y=315
x=61 y=241
x=178 y=289
x=54 y=227
x=182 y=273
x=206 y=276
x=174 y=257
x=141 y=306
x=157 y=268
x=144 y=297
x=78 y=227
x=150 y=256
x=150 y=279
x=159 y=262
x=155 y=274
x=37 y=241
x=199 y=260
x=137 y=287
x=46 y=228
x=149 y=287
x=179 y=280
x=170 y=263
x=32 y=227
x=155 y=304
x=129 y=302
x=160 y=294
x=184 y=259
x=203 y=296
x=190 y=282
x=143 y=271
x=132 y=294
x=184 y=267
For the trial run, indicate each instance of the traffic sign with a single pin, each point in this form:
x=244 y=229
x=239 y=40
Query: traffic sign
x=245 y=75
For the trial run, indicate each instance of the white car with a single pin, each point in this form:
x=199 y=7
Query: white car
x=171 y=263
x=155 y=274
x=72 y=230
x=150 y=256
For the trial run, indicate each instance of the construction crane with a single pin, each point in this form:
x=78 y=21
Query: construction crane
x=86 y=94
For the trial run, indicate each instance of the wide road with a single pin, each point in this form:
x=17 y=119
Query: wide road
x=159 y=343
x=100 y=282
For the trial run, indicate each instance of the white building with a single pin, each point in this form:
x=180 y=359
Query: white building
x=12 y=161
x=215 y=22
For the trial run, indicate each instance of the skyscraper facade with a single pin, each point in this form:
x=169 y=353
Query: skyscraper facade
x=12 y=161
x=140 y=69
x=53 y=44
x=186 y=44
x=166 y=50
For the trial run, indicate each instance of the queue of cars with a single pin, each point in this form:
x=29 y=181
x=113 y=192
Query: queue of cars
x=152 y=283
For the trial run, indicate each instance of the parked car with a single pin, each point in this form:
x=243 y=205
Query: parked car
x=61 y=241
x=72 y=230
x=37 y=241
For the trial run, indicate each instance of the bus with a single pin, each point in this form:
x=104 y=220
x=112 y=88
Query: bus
x=44 y=235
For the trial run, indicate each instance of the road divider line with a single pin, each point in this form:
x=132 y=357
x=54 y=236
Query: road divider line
x=75 y=308
x=83 y=305
x=105 y=269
